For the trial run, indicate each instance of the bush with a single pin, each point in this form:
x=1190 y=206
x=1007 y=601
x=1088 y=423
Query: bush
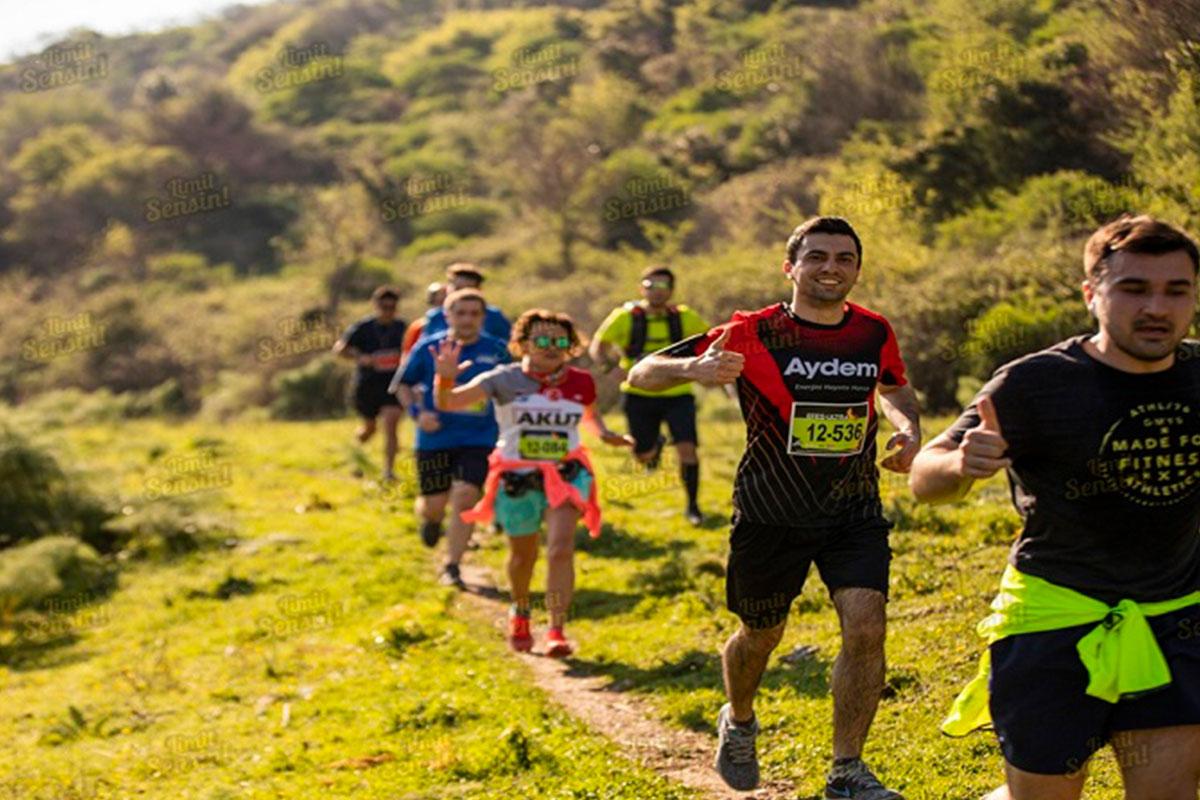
x=314 y=391
x=235 y=392
x=168 y=398
x=189 y=271
x=470 y=218
x=56 y=566
x=163 y=529
x=38 y=498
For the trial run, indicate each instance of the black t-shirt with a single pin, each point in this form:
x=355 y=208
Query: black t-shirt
x=1105 y=470
x=384 y=342
x=807 y=394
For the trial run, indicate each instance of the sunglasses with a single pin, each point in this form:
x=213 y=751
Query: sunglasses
x=546 y=342
x=649 y=284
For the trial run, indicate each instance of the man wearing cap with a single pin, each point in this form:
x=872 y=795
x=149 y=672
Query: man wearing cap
x=463 y=275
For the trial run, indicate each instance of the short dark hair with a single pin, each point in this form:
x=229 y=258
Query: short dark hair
x=385 y=292
x=660 y=269
x=469 y=293
x=821 y=225
x=464 y=269
x=524 y=326
x=1140 y=234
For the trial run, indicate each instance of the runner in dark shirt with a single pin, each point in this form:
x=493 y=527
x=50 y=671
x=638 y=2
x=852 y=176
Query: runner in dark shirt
x=1100 y=436
x=374 y=344
x=806 y=489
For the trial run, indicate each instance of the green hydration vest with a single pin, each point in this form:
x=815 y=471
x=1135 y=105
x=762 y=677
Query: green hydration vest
x=1121 y=655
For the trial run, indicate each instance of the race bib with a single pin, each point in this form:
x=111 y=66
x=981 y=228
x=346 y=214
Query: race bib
x=827 y=429
x=543 y=445
x=385 y=360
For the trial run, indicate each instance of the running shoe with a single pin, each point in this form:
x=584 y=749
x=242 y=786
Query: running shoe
x=519 y=637
x=853 y=780
x=695 y=516
x=557 y=645
x=430 y=533
x=452 y=576
x=737 y=761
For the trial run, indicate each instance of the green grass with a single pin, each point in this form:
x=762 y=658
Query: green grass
x=166 y=690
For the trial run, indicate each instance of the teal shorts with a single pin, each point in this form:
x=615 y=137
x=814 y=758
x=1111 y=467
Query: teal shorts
x=521 y=516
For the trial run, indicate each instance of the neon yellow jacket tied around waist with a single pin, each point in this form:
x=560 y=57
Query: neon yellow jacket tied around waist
x=1121 y=655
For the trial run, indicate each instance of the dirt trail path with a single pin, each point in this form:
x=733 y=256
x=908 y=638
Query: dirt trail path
x=629 y=721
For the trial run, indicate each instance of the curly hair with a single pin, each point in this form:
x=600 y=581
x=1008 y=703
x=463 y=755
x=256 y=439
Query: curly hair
x=523 y=328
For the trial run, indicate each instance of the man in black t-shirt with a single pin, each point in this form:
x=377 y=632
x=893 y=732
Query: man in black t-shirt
x=1100 y=436
x=807 y=488
x=374 y=344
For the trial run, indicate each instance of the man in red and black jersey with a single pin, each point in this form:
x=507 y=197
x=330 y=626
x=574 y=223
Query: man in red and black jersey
x=807 y=488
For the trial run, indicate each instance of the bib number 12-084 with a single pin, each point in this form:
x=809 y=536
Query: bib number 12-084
x=827 y=429
x=543 y=445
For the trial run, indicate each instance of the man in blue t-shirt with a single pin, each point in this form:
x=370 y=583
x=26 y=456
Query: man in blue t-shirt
x=467 y=276
x=452 y=448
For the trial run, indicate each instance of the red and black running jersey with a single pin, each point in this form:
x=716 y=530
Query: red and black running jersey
x=807 y=394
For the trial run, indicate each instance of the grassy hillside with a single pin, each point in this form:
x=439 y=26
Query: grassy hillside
x=315 y=656
x=170 y=201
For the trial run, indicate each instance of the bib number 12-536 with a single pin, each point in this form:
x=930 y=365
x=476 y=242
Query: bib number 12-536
x=827 y=429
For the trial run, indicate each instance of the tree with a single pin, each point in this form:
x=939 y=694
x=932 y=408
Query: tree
x=338 y=227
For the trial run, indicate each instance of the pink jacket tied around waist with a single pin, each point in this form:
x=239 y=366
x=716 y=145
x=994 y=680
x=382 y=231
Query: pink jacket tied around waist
x=558 y=491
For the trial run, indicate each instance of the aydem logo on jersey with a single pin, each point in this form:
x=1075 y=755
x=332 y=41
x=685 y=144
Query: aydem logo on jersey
x=834 y=367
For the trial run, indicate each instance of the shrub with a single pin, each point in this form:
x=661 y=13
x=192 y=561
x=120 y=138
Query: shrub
x=38 y=498
x=314 y=391
x=56 y=566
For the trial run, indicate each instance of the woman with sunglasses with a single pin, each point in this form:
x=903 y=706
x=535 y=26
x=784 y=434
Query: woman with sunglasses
x=539 y=469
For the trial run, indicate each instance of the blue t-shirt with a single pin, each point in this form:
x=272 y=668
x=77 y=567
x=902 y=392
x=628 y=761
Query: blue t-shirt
x=494 y=323
x=474 y=427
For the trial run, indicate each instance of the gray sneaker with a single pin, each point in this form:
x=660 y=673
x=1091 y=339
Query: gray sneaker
x=737 y=763
x=855 y=781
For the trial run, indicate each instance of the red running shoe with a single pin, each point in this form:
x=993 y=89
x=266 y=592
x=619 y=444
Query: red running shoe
x=557 y=645
x=519 y=637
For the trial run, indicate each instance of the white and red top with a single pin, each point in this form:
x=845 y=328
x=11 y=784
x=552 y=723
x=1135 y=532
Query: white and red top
x=539 y=418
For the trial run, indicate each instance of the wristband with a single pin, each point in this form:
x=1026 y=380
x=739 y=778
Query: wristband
x=442 y=383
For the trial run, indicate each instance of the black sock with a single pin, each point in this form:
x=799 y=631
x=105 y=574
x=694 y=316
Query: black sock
x=691 y=481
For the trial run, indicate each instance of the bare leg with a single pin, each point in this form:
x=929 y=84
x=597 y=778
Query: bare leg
x=560 y=561
x=522 y=555
x=365 y=430
x=432 y=507
x=859 y=669
x=1029 y=786
x=458 y=532
x=391 y=442
x=1159 y=763
x=743 y=662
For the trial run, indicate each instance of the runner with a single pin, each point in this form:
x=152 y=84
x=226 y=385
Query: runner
x=452 y=448
x=625 y=336
x=539 y=469
x=462 y=275
x=435 y=295
x=1100 y=437
x=807 y=488
x=373 y=343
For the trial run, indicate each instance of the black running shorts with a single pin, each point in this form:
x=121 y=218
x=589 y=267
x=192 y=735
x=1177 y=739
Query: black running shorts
x=1047 y=723
x=647 y=414
x=437 y=469
x=768 y=564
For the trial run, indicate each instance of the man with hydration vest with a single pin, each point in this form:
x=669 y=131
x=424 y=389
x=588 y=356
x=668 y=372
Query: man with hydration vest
x=632 y=331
